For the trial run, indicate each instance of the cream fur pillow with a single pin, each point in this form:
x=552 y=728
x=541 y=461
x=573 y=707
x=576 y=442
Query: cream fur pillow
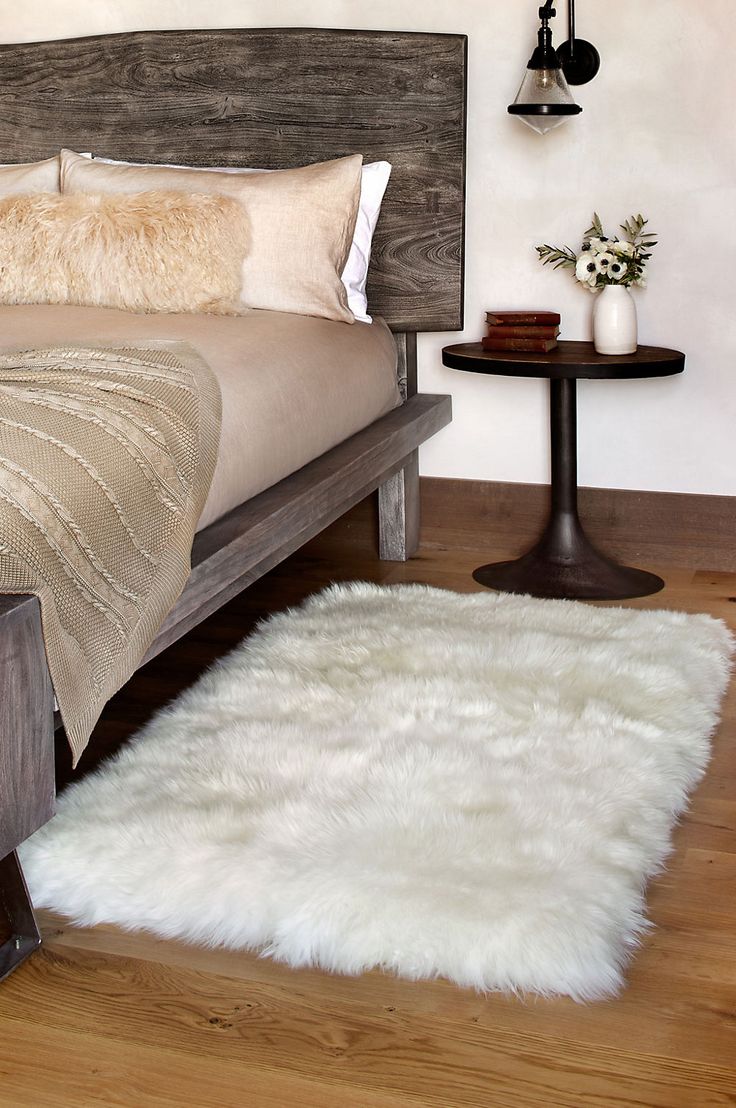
x=149 y=252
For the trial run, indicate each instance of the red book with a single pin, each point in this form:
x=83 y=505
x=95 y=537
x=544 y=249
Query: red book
x=541 y=345
x=547 y=319
x=523 y=331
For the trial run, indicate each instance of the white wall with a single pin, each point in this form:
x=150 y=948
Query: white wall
x=656 y=136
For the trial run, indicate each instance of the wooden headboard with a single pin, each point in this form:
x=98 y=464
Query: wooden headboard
x=273 y=98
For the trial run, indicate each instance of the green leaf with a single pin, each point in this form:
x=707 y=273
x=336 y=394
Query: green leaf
x=595 y=230
x=556 y=256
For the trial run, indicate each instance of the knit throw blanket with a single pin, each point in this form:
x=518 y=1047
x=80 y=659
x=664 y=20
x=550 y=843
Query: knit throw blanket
x=106 y=457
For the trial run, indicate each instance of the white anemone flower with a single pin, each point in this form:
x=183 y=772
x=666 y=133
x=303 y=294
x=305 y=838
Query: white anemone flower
x=617 y=269
x=604 y=261
x=597 y=245
x=586 y=270
x=624 y=248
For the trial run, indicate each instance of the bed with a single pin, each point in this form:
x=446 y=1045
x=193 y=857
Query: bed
x=275 y=99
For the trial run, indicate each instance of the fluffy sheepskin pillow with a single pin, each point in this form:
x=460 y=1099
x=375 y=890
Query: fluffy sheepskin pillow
x=155 y=251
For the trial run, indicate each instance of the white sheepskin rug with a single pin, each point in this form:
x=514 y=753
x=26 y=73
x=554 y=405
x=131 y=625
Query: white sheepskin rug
x=468 y=786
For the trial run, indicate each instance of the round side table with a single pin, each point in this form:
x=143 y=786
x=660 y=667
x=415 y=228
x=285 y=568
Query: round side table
x=564 y=563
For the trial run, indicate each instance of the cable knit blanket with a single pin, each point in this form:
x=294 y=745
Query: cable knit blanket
x=106 y=457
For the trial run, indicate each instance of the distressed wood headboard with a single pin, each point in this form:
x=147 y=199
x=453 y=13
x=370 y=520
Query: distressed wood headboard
x=272 y=98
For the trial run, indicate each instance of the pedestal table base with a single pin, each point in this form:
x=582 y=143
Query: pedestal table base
x=568 y=566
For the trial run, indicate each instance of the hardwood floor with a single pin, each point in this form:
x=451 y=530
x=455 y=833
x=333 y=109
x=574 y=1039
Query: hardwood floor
x=101 y=1017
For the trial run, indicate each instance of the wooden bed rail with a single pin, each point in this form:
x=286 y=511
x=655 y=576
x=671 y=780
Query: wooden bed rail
x=236 y=550
x=26 y=723
x=26 y=766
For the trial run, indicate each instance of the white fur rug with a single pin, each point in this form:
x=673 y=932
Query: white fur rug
x=472 y=786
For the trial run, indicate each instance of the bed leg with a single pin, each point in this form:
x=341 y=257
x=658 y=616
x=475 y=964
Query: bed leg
x=398 y=513
x=26 y=766
x=18 y=925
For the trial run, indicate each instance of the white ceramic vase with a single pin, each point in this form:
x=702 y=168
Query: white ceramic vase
x=614 y=321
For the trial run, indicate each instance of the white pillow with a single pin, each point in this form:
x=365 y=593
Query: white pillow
x=373 y=184
x=28 y=177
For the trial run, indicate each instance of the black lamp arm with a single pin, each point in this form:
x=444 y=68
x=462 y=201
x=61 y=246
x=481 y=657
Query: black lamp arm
x=571 y=26
x=580 y=59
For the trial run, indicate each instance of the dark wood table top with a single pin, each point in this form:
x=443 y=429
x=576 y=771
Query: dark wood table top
x=568 y=359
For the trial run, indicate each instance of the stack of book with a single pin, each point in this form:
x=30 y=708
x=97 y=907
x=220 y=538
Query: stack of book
x=522 y=331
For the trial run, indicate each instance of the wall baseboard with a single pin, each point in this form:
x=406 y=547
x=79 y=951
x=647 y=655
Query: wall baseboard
x=660 y=528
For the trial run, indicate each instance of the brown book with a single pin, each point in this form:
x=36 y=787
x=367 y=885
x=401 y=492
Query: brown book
x=541 y=345
x=547 y=319
x=522 y=331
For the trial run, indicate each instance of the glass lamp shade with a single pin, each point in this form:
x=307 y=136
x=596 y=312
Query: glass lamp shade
x=544 y=99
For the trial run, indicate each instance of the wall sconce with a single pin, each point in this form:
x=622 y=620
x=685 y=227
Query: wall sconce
x=544 y=99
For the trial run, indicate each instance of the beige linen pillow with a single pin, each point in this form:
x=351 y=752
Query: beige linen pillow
x=30 y=177
x=152 y=252
x=301 y=223
x=373 y=182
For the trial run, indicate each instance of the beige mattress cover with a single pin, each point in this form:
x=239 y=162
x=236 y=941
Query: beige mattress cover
x=292 y=386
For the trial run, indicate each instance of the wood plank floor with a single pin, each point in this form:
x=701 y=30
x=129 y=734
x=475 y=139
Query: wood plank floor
x=100 y=1017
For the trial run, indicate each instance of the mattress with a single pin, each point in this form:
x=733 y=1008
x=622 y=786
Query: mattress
x=292 y=386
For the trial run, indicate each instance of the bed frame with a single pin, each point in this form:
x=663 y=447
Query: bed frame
x=275 y=98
